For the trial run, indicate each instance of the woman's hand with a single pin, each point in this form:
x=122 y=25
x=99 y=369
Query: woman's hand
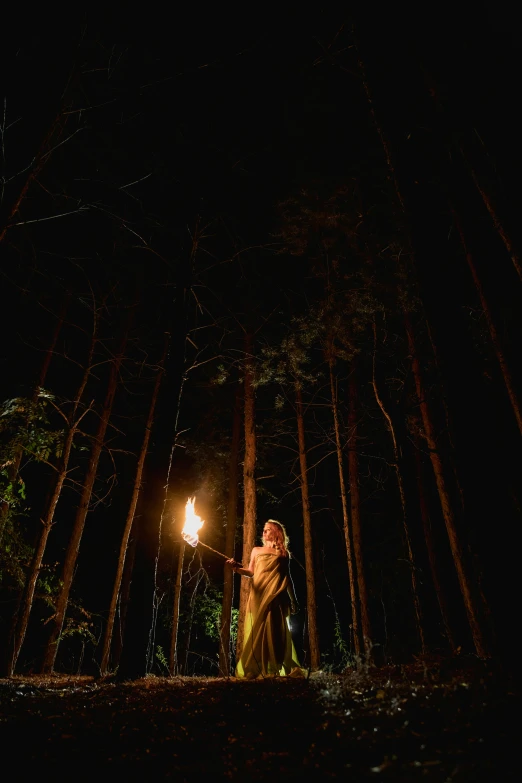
x=234 y=565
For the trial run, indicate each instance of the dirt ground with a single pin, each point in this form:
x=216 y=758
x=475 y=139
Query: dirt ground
x=451 y=722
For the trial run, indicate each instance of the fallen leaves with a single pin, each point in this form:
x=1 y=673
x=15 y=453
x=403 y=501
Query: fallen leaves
x=399 y=725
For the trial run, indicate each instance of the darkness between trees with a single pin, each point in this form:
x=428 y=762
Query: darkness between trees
x=276 y=267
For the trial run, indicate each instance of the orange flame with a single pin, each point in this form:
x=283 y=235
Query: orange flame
x=193 y=523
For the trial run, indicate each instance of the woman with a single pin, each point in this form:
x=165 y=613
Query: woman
x=268 y=649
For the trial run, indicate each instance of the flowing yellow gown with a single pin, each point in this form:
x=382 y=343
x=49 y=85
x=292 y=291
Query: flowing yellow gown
x=268 y=650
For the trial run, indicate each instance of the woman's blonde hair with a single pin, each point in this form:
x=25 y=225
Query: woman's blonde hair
x=282 y=539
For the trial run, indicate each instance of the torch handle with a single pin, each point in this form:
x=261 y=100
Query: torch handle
x=216 y=551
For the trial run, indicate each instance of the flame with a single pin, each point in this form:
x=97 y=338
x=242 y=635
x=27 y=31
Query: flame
x=193 y=523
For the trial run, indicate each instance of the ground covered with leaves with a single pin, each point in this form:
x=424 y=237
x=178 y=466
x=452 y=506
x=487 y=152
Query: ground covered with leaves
x=445 y=723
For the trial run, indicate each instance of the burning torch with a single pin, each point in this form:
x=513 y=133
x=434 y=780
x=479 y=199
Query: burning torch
x=192 y=526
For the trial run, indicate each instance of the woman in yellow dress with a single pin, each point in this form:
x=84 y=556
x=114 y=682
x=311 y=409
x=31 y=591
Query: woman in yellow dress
x=268 y=650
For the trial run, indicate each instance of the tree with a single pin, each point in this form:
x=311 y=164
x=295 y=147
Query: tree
x=468 y=594
x=311 y=605
x=228 y=576
x=24 y=430
x=249 y=481
x=352 y=575
x=107 y=639
x=400 y=485
x=81 y=514
x=355 y=511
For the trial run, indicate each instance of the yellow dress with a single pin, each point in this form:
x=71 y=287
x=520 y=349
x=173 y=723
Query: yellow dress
x=268 y=649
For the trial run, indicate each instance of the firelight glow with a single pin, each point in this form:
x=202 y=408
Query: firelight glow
x=193 y=523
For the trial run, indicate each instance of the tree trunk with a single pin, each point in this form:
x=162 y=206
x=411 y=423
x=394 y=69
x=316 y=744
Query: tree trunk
x=493 y=333
x=36 y=562
x=142 y=604
x=447 y=416
x=249 y=485
x=313 y=635
x=41 y=158
x=396 y=466
x=156 y=600
x=346 y=518
x=52 y=345
x=20 y=620
x=71 y=555
x=447 y=510
x=430 y=546
x=107 y=639
x=228 y=576
x=378 y=128
x=117 y=638
x=500 y=228
x=190 y=623
x=15 y=466
x=173 y=657
x=470 y=603
x=355 y=508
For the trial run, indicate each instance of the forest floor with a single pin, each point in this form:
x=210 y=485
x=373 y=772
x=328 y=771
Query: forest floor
x=457 y=721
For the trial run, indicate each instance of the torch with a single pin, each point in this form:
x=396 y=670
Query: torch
x=194 y=523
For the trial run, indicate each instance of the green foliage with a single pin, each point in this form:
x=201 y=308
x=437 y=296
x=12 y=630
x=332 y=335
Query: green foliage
x=25 y=431
x=48 y=585
x=162 y=658
x=207 y=612
x=221 y=376
x=206 y=618
x=25 y=426
x=291 y=359
x=340 y=658
x=80 y=628
x=15 y=554
x=78 y=633
x=340 y=645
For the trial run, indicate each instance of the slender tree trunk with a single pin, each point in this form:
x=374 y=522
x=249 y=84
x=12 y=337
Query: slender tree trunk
x=36 y=562
x=378 y=128
x=52 y=345
x=499 y=227
x=81 y=515
x=493 y=333
x=173 y=657
x=20 y=619
x=156 y=598
x=14 y=468
x=430 y=546
x=123 y=603
x=346 y=518
x=470 y=603
x=398 y=473
x=107 y=639
x=249 y=485
x=39 y=162
x=449 y=519
x=228 y=576
x=313 y=635
x=355 y=508
x=139 y=633
x=447 y=416
x=188 y=635
x=190 y=623
x=143 y=600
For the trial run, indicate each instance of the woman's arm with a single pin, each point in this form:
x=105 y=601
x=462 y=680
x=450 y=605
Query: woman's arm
x=249 y=572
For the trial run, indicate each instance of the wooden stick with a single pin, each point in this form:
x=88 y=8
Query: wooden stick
x=187 y=539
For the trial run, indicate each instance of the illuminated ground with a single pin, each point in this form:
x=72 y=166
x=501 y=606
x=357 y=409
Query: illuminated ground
x=402 y=724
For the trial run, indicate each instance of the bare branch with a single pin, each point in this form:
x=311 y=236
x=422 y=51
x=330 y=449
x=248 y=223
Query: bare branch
x=51 y=217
